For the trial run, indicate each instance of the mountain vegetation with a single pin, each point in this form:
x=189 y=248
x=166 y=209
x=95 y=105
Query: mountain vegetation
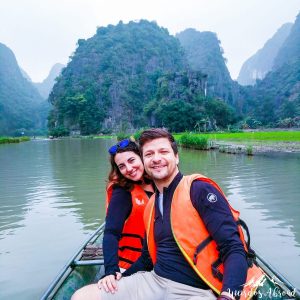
x=289 y=52
x=136 y=75
x=116 y=77
x=258 y=65
x=112 y=76
x=275 y=100
x=20 y=103
x=180 y=104
x=205 y=54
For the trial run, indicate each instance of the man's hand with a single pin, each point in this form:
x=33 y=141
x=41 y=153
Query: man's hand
x=109 y=283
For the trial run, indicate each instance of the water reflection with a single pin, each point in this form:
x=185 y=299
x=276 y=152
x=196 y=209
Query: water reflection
x=267 y=183
x=37 y=235
x=34 y=251
x=21 y=168
x=52 y=196
x=83 y=164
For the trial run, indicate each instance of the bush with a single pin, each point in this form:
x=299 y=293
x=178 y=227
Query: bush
x=138 y=133
x=288 y=122
x=233 y=129
x=249 y=150
x=194 y=141
x=7 y=140
x=122 y=136
x=59 y=131
x=4 y=140
x=251 y=123
x=106 y=131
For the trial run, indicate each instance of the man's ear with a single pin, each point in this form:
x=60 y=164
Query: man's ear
x=177 y=159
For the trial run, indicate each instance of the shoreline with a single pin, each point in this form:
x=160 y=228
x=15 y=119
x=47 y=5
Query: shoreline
x=225 y=146
x=254 y=147
x=248 y=143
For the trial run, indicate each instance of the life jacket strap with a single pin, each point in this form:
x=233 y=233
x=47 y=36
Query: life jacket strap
x=200 y=247
x=250 y=253
x=126 y=260
x=130 y=248
x=251 y=257
x=245 y=227
x=133 y=236
x=215 y=269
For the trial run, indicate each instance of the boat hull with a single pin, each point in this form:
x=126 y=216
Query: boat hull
x=86 y=267
x=79 y=277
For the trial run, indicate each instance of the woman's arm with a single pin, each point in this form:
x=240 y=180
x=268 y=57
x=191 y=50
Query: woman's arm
x=119 y=209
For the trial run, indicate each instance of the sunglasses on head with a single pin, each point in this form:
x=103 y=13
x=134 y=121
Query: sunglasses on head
x=122 y=144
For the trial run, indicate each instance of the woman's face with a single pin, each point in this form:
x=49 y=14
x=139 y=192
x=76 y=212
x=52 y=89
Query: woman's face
x=130 y=165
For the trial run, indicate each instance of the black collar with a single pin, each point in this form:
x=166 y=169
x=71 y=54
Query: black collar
x=172 y=185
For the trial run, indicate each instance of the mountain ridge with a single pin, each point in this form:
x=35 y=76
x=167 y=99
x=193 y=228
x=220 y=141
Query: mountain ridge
x=47 y=84
x=204 y=53
x=19 y=99
x=112 y=75
x=259 y=64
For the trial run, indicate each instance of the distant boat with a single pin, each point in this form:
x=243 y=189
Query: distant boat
x=86 y=267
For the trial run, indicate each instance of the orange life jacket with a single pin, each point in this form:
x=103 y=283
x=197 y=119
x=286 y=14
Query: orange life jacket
x=194 y=241
x=131 y=242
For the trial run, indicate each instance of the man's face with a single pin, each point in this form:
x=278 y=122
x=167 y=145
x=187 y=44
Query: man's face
x=160 y=161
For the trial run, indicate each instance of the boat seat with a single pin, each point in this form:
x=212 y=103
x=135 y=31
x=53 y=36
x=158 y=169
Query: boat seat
x=92 y=252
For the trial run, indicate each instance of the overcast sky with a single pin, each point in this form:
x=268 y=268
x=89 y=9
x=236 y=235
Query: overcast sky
x=44 y=32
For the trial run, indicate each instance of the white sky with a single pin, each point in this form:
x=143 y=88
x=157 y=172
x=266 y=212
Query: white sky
x=44 y=32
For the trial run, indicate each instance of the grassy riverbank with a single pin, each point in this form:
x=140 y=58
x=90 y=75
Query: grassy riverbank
x=257 y=136
x=244 y=142
x=238 y=142
x=10 y=140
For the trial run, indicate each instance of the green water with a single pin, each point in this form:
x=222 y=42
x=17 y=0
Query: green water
x=52 y=198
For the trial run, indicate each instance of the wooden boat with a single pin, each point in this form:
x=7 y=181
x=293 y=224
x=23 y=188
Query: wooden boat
x=86 y=267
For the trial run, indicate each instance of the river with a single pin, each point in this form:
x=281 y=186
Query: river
x=52 y=198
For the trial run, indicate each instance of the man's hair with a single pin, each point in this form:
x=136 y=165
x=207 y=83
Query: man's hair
x=157 y=133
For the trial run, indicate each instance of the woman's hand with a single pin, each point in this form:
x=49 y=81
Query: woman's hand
x=109 y=283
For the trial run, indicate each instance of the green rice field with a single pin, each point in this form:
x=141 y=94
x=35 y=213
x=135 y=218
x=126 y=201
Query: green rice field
x=267 y=136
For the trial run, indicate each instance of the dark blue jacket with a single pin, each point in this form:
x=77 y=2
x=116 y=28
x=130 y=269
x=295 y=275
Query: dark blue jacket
x=220 y=224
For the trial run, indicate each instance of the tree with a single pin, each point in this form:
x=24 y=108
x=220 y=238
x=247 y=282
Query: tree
x=219 y=111
x=177 y=115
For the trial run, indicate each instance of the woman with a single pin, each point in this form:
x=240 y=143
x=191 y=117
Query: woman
x=128 y=192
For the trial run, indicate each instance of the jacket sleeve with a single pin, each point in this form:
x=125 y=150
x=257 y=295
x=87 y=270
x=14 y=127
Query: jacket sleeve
x=144 y=262
x=216 y=215
x=119 y=209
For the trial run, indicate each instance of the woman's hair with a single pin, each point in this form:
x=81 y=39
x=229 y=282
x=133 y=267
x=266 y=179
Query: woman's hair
x=115 y=174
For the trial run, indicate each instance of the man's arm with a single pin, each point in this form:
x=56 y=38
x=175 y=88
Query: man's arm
x=217 y=217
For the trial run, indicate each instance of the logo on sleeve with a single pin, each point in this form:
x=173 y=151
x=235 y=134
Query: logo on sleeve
x=212 y=198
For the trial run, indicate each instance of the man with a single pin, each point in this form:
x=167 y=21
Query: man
x=185 y=208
